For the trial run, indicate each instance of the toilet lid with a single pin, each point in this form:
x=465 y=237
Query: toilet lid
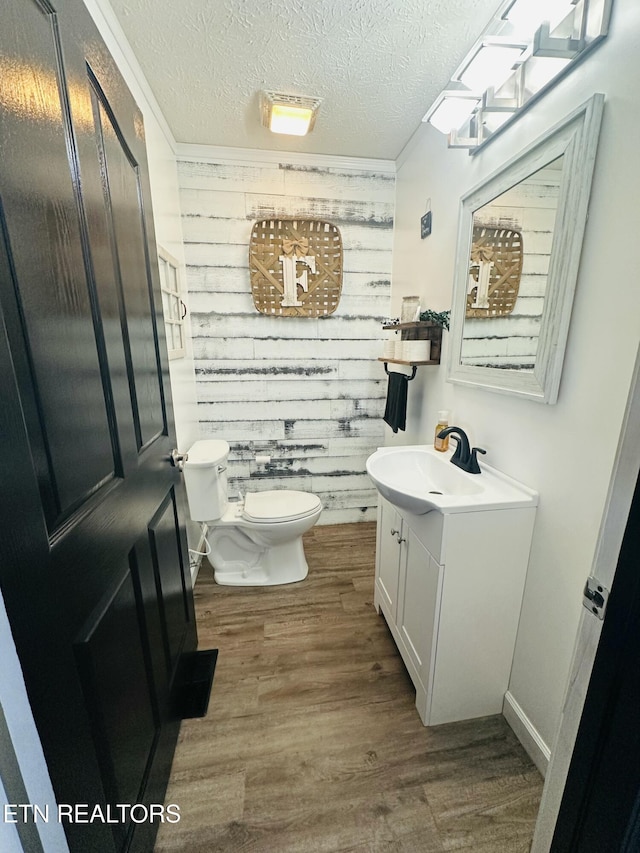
x=206 y=452
x=279 y=505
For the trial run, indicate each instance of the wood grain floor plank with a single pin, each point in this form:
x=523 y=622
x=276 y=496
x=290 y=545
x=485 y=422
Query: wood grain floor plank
x=312 y=742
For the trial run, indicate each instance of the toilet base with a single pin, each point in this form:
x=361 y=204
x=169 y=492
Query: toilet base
x=279 y=564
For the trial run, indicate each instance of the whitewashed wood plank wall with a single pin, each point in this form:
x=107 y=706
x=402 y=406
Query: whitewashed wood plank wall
x=511 y=342
x=308 y=392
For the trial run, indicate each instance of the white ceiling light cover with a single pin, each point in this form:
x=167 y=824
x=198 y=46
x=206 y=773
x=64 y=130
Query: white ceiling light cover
x=294 y=115
x=451 y=110
x=490 y=65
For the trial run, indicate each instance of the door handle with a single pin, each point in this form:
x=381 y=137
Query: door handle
x=399 y=538
x=177 y=459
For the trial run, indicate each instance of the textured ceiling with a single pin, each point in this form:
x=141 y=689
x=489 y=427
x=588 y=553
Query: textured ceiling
x=378 y=65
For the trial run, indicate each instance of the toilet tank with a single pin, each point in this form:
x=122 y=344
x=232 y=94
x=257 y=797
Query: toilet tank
x=205 y=478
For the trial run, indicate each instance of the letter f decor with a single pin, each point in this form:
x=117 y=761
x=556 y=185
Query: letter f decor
x=295 y=267
x=295 y=251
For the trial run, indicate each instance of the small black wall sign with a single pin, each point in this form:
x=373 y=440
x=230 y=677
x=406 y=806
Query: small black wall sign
x=425 y=225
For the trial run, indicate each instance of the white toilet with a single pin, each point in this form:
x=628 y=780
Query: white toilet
x=253 y=542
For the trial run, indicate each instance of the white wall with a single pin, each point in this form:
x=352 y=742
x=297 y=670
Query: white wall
x=306 y=391
x=564 y=451
x=168 y=223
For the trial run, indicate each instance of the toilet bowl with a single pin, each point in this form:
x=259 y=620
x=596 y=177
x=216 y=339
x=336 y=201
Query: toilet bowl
x=256 y=541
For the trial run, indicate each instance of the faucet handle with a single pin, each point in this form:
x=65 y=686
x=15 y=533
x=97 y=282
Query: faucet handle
x=474 y=468
x=457 y=453
x=461 y=454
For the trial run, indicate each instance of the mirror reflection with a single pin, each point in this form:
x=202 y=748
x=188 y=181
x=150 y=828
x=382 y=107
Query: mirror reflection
x=519 y=242
x=508 y=272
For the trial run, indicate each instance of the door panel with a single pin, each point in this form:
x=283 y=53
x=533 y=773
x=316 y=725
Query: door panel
x=93 y=559
x=170 y=573
x=123 y=199
x=419 y=604
x=118 y=691
x=68 y=407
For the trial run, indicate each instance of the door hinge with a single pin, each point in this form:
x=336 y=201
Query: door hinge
x=595 y=597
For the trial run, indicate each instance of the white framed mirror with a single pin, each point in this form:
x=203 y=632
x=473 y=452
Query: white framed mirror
x=519 y=242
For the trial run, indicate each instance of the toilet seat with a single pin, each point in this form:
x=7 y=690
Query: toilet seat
x=279 y=505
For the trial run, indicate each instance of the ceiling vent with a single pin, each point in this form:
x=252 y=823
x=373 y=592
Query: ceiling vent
x=290 y=114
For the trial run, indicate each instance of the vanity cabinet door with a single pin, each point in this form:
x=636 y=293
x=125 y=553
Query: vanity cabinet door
x=420 y=604
x=388 y=558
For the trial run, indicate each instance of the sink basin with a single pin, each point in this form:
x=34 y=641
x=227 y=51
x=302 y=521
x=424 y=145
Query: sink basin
x=421 y=479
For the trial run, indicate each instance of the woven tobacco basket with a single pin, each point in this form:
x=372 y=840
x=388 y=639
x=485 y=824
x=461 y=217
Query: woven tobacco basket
x=502 y=248
x=313 y=243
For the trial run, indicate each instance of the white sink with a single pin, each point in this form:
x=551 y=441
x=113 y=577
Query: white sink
x=420 y=479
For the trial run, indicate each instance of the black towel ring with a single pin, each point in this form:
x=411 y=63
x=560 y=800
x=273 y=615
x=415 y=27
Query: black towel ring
x=409 y=378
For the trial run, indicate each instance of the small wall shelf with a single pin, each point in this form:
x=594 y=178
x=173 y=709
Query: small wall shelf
x=420 y=330
x=407 y=363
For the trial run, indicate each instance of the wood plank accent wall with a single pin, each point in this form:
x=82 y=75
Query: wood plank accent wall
x=306 y=391
x=511 y=342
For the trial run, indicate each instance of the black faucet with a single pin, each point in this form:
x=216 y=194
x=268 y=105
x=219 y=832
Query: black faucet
x=465 y=457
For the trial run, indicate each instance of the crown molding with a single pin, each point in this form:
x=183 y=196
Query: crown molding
x=219 y=154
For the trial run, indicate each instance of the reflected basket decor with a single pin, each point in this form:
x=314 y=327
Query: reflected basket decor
x=495 y=270
x=295 y=267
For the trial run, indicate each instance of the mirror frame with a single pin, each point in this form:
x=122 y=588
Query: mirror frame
x=576 y=137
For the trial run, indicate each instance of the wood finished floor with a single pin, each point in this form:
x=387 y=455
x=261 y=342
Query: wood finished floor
x=312 y=742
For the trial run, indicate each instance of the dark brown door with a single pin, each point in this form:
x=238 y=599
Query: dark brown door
x=94 y=567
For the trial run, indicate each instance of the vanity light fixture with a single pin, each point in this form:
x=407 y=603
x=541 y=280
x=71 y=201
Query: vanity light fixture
x=525 y=49
x=294 y=115
x=525 y=16
x=452 y=110
x=489 y=64
x=555 y=47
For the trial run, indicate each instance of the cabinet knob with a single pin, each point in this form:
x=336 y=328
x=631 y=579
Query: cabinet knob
x=399 y=538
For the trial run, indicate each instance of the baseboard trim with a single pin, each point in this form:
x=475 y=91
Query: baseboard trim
x=526 y=733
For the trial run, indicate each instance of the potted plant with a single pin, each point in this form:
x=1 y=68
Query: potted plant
x=439 y=318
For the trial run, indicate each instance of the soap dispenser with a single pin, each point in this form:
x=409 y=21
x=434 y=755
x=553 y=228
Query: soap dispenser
x=442 y=444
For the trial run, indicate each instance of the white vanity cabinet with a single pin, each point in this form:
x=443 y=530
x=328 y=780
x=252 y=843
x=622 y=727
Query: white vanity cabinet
x=450 y=587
